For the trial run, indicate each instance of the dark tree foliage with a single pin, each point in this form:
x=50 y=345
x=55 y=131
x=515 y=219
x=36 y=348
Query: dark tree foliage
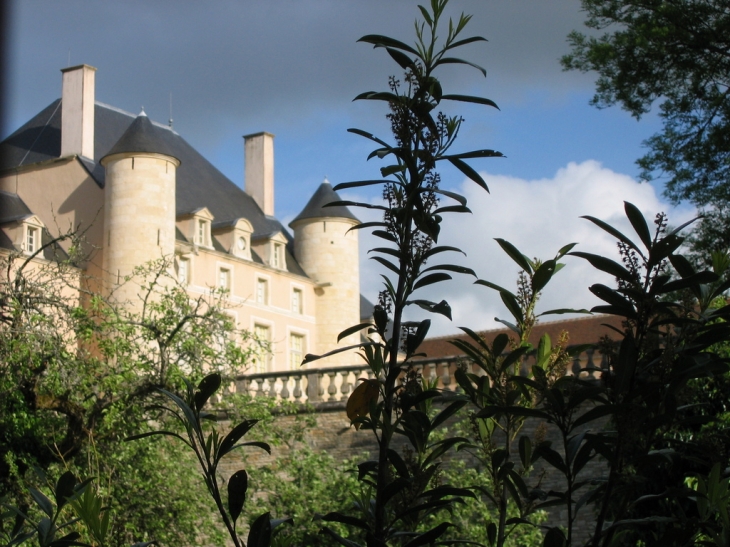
x=676 y=52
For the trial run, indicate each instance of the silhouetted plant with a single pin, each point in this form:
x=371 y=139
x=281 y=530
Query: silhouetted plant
x=405 y=486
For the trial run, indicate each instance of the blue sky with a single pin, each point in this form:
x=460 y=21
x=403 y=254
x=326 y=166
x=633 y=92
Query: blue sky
x=292 y=67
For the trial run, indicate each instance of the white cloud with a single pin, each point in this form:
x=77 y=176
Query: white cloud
x=538 y=217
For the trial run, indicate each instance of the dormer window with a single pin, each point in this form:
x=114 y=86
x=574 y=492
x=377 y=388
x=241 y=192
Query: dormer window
x=202 y=232
x=28 y=233
x=278 y=256
x=196 y=227
x=32 y=239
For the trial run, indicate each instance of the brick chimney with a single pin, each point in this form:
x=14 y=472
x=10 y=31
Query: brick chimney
x=77 y=111
x=258 y=173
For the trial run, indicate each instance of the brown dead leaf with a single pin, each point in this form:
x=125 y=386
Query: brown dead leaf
x=358 y=404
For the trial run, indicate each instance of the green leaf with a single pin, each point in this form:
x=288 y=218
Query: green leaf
x=606 y=265
x=431 y=279
x=512 y=251
x=260 y=533
x=614 y=232
x=237 y=488
x=593 y=414
x=207 y=387
x=442 y=307
x=367 y=135
x=359 y=184
x=391 y=169
x=554 y=538
x=471 y=99
x=639 y=223
x=384 y=41
x=352 y=330
x=151 y=433
x=42 y=501
x=64 y=489
x=492 y=533
x=451 y=268
x=429 y=537
x=338 y=538
x=464 y=42
x=398 y=463
x=512 y=305
x=447 y=412
x=543 y=275
x=469 y=171
x=525 y=451
x=388 y=264
x=485 y=153
x=399 y=57
x=490 y=285
x=233 y=437
x=345 y=519
x=561 y=311
x=453 y=195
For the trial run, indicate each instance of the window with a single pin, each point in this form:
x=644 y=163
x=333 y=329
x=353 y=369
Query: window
x=183 y=271
x=296 y=351
x=224 y=279
x=297 y=301
x=262 y=361
x=32 y=239
x=201 y=232
x=262 y=291
x=278 y=256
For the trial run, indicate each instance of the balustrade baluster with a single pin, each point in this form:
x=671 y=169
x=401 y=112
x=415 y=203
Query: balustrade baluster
x=345 y=387
x=332 y=388
x=446 y=376
x=272 y=388
x=298 y=388
x=260 y=388
x=285 y=388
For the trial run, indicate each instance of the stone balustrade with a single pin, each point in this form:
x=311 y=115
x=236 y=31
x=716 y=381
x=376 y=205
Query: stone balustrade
x=332 y=386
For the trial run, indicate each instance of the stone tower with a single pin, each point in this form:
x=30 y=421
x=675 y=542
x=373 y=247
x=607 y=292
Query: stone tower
x=328 y=253
x=139 y=205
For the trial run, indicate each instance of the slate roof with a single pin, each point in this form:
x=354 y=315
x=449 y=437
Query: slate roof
x=199 y=183
x=142 y=136
x=315 y=207
x=12 y=209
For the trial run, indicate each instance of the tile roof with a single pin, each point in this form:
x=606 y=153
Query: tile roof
x=581 y=330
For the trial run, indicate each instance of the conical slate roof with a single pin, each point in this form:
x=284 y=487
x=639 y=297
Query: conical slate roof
x=142 y=136
x=315 y=207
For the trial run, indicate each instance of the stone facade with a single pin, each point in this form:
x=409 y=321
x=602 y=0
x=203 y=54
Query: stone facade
x=138 y=192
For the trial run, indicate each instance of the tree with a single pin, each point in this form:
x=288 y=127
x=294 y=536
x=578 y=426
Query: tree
x=76 y=371
x=677 y=53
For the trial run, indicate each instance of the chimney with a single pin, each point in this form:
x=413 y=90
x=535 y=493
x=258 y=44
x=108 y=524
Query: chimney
x=258 y=173
x=77 y=111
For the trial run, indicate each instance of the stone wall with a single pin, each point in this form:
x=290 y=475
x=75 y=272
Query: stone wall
x=334 y=435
